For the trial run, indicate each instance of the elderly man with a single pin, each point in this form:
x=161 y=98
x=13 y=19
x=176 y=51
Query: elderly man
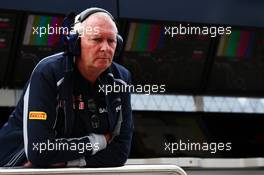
x=64 y=118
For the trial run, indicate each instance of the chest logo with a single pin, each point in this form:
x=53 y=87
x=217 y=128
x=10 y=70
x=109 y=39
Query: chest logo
x=37 y=115
x=102 y=110
x=118 y=108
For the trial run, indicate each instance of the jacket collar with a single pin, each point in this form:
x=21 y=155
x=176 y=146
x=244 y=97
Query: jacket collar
x=112 y=100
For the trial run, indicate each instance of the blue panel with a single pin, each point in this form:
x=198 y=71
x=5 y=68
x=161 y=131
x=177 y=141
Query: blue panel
x=58 y=6
x=233 y=12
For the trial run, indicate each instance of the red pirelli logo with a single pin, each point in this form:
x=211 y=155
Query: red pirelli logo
x=36 y=115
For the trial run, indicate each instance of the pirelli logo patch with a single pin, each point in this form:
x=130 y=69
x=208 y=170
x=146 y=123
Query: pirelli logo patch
x=36 y=115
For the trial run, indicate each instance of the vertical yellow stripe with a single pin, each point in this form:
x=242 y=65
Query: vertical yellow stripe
x=135 y=37
x=131 y=34
x=222 y=45
x=29 y=30
x=33 y=37
x=222 y=48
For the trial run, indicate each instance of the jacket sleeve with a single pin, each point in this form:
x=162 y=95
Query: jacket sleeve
x=42 y=147
x=117 y=152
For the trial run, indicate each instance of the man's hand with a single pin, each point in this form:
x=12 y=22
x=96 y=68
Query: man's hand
x=58 y=165
x=28 y=164
x=108 y=137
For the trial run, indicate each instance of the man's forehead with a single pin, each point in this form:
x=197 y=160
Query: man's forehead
x=100 y=19
x=104 y=32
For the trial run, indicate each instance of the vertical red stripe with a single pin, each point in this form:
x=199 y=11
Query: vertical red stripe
x=243 y=44
x=154 y=37
x=51 y=36
x=56 y=38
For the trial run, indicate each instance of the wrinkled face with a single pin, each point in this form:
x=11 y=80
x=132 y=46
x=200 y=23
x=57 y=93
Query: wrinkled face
x=98 y=42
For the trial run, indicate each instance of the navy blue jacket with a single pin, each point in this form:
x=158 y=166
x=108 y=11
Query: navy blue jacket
x=45 y=114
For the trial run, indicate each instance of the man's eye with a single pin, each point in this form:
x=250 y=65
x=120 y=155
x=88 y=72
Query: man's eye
x=111 y=41
x=97 y=39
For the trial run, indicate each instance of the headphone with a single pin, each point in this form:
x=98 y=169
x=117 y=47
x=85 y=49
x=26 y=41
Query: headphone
x=72 y=39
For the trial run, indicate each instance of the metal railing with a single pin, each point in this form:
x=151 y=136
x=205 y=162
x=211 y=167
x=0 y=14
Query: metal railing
x=124 y=170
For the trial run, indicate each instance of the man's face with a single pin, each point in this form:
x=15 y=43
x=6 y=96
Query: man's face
x=98 y=42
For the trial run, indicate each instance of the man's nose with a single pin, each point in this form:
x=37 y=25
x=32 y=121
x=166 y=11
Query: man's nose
x=104 y=45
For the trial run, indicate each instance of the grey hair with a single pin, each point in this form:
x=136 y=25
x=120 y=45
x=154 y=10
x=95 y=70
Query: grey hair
x=79 y=26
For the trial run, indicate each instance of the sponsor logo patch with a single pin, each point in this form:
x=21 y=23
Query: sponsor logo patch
x=36 y=115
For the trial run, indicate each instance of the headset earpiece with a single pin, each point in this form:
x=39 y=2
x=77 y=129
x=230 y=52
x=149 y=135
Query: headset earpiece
x=119 y=45
x=74 y=44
